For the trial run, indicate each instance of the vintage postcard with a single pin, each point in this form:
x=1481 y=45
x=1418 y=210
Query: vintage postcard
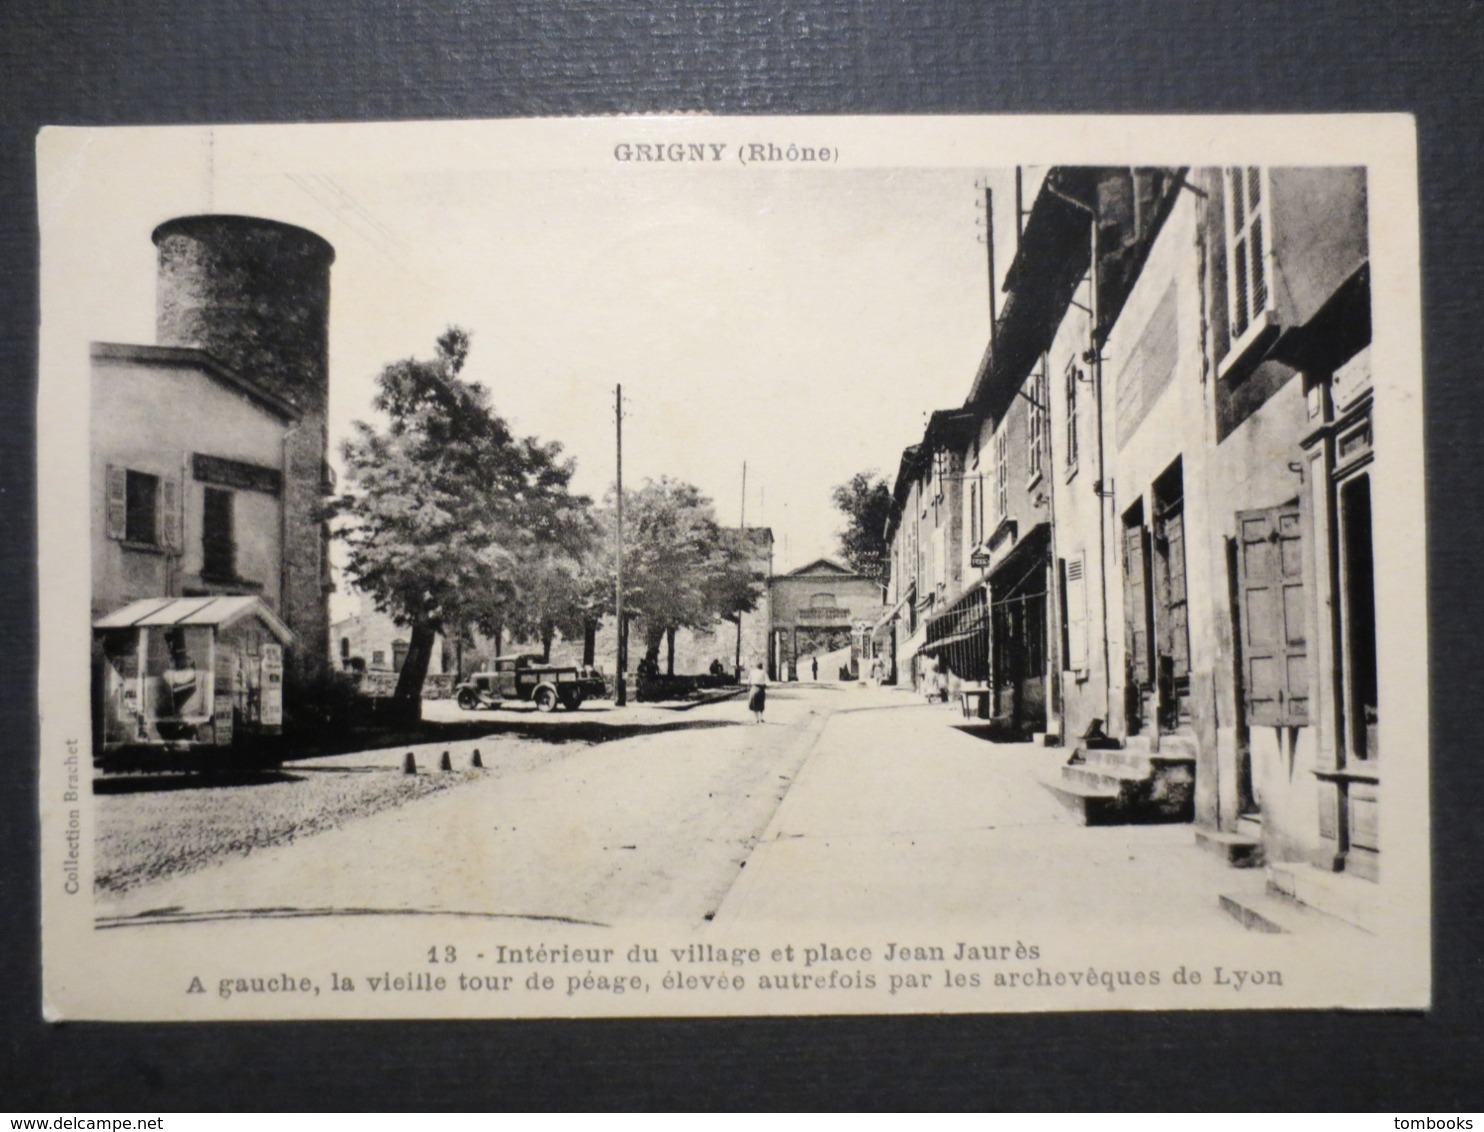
x=722 y=566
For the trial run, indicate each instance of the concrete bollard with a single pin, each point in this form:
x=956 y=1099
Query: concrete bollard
x=409 y=764
x=445 y=763
x=476 y=761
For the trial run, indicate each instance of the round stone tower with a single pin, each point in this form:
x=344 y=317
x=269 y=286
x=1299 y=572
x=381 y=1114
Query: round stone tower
x=255 y=295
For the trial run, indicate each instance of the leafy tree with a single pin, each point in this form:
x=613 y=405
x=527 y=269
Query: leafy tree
x=682 y=569
x=445 y=508
x=865 y=500
x=558 y=595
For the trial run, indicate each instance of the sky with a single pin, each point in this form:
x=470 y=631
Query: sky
x=800 y=320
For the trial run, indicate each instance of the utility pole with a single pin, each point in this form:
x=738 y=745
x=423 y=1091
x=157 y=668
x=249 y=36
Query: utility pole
x=744 y=541
x=1019 y=206
x=989 y=243
x=620 y=697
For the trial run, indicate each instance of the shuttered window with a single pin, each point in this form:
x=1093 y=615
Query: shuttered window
x=1074 y=594
x=142 y=508
x=1275 y=661
x=1072 y=377
x=1001 y=474
x=1246 y=247
x=1036 y=424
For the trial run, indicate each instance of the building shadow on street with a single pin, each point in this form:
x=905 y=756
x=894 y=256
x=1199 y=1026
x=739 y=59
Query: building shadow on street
x=586 y=728
x=992 y=730
x=189 y=780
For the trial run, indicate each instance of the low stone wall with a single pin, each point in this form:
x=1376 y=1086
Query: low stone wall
x=438 y=686
x=383 y=685
x=660 y=688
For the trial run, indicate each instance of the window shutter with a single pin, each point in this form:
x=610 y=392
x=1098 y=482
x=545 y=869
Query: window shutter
x=1249 y=294
x=1076 y=598
x=1291 y=569
x=1173 y=633
x=1218 y=306
x=169 y=515
x=1274 y=651
x=117 y=501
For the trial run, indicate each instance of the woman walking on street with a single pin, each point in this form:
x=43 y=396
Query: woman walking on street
x=757 y=680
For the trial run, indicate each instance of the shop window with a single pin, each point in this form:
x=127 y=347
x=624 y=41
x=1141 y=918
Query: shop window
x=218 y=547
x=1359 y=605
x=177 y=673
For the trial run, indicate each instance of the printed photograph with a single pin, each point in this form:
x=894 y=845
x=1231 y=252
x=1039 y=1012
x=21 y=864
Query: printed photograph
x=726 y=566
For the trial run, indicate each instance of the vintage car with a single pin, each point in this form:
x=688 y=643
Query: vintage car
x=527 y=677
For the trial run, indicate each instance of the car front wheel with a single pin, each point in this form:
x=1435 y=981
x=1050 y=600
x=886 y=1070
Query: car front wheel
x=468 y=700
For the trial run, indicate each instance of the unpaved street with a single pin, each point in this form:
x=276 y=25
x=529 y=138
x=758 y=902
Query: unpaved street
x=655 y=824
x=857 y=805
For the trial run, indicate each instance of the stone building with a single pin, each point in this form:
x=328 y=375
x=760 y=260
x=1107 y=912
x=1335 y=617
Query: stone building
x=255 y=295
x=208 y=474
x=925 y=536
x=187 y=478
x=819 y=608
x=1166 y=515
x=1209 y=384
x=372 y=641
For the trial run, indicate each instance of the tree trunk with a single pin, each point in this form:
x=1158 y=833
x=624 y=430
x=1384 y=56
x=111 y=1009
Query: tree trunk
x=652 y=638
x=589 y=643
x=670 y=643
x=408 y=698
x=547 y=632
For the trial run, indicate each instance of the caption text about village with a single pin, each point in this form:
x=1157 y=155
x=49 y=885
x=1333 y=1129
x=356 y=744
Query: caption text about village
x=575 y=972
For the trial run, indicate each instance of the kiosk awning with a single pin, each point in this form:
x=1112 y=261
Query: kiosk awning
x=220 y=612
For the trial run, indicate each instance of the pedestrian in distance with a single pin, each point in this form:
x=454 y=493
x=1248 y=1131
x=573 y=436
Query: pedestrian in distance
x=814 y=668
x=757 y=681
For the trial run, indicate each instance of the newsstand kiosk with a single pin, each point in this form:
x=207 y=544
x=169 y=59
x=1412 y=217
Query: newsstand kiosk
x=190 y=674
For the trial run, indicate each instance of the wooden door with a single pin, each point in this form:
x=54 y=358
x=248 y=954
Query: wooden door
x=1171 y=619
x=1137 y=615
x=1275 y=661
